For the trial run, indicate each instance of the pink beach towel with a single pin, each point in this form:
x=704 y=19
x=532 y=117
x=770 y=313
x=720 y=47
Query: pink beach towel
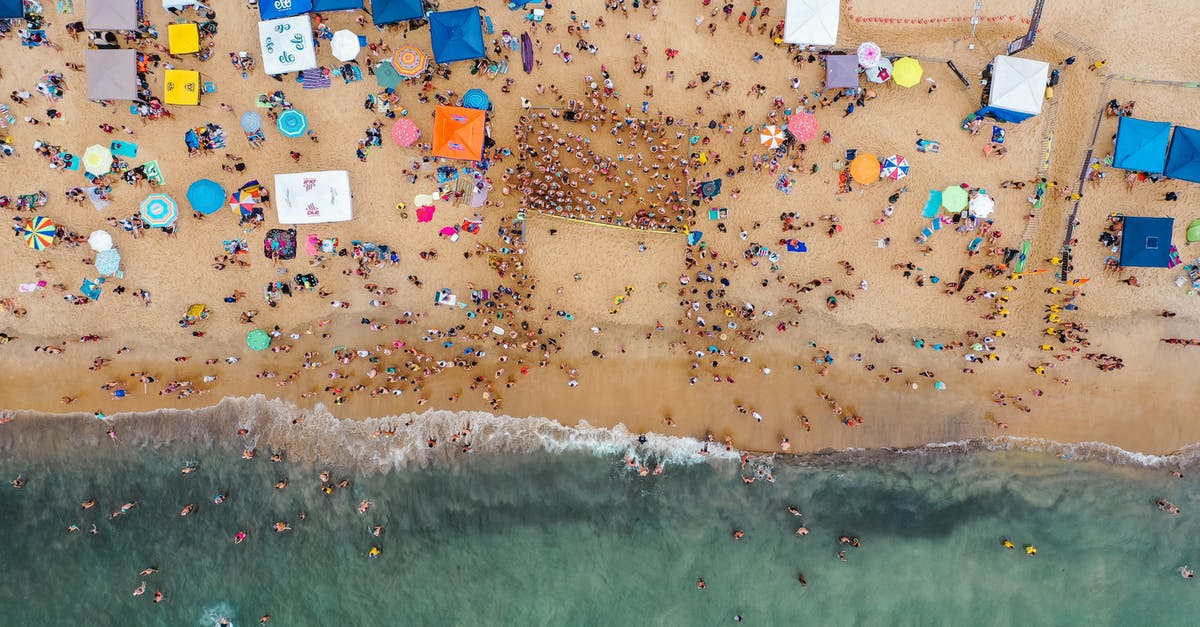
x=313 y=244
x=425 y=213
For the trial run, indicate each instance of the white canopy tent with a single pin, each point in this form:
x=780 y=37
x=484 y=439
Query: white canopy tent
x=313 y=197
x=812 y=22
x=287 y=44
x=1018 y=85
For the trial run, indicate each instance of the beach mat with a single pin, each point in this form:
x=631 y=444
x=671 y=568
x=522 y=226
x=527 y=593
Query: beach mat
x=315 y=79
x=124 y=149
x=933 y=205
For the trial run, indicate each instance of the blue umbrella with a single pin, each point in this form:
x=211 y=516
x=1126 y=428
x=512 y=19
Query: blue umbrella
x=159 y=210
x=108 y=262
x=206 y=196
x=251 y=121
x=292 y=123
x=476 y=99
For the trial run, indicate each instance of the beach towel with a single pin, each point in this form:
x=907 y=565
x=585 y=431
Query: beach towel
x=93 y=194
x=312 y=244
x=933 y=205
x=280 y=243
x=425 y=213
x=124 y=149
x=72 y=162
x=314 y=79
x=796 y=246
x=997 y=134
x=25 y=288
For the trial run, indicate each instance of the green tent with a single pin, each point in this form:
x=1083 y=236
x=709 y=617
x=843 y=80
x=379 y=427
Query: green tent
x=1193 y=231
x=258 y=340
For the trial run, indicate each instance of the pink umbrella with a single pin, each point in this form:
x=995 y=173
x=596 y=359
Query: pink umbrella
x=803 y=126
x=405 y=132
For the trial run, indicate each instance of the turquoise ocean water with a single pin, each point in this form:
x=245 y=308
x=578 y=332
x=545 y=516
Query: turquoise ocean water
x=545 y=525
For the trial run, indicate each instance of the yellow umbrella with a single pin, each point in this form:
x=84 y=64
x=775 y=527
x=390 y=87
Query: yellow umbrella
x=182 y=87
x=97 y=160
x=183 y=38
x=907 y=72
x=865 y=168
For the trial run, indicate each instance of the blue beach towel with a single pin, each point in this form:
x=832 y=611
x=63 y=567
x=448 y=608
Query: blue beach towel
x=124 y=149
x=933 y=205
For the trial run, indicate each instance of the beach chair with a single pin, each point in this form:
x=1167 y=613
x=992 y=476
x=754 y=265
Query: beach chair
x=974 y=245
x=536 y=15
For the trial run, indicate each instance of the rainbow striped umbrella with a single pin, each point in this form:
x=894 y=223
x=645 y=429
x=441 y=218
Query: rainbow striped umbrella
x=159 y=210
x=410 y=61
x=39 y=232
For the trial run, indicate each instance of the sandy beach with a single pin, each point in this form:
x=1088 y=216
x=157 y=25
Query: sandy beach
x=791 y=357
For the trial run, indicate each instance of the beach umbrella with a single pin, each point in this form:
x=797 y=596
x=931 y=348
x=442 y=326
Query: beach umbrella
x=97 y=160
x=881 y=73
x=100 y=241
x=803 y=126
x=344 y=45
x=292 y=123
x=771 y=137
x=869 y=54
x=108 y=262
x=982 y=205
x=409 y=61
x=907 y=72
x=939 y=386
x=206 y=196
x=242 y=202
x=251 y=122
x=386 y=75
x=865 y=168
x=895 y=167
x=159 y=210
x=954 y=198
x=405 y=132
x=476 y=99
x=39 y=232
x=258 y=340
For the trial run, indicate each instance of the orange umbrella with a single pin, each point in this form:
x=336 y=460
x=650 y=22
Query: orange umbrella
x=865 y=168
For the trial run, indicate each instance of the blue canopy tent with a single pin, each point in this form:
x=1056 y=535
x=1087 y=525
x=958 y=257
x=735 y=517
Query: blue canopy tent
x=337 y=5
x=456 y=35
x=1183 y=161
x=272 y=9
x=392 y=11
x=1146 y=242
x=11 y=9
x=1141 y=145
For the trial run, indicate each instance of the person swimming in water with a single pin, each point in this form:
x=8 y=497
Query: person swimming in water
x=148 y=571
x=281 y=484
x=374 y=552
x=281 y=527
x=1030 y=550
x=187 y=509
x=219 y=498
x=377 y=530
x=140 y=590
x=793 y=511
x=363 y=506
x=18 y=483
x=802 y=531
x=88 y=504
x=803 y=581
x=124 y=509
x=1186 y=572
x=189 y=469
x=1006 y=543
x=159 y=596
x=239 y=537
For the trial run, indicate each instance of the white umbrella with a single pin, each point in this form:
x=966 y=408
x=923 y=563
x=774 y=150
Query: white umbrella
x=982 y=206
x=345 y=45
x=100 y=241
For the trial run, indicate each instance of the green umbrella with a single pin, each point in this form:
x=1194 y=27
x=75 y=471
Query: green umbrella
x=258 y=340
x=1193 y=231
x=387 y=76
x=954 y=198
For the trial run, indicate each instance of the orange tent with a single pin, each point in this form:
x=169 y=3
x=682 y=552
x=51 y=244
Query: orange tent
x=865 y=168
x=458 y=133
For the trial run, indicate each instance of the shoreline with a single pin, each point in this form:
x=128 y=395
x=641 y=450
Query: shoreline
x=495 y=432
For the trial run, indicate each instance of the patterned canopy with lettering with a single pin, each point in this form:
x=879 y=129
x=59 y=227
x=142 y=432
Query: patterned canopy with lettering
x=287 y=45
x=313 y=197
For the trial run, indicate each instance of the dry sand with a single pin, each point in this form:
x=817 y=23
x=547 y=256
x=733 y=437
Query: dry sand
x=641 y=381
